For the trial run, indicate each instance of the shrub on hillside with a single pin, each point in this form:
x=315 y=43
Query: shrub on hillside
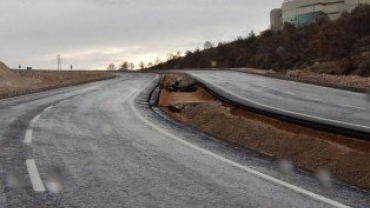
x=323 y=41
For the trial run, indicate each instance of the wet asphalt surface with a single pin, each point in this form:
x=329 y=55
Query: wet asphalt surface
x=335 y=107
x=108 y=148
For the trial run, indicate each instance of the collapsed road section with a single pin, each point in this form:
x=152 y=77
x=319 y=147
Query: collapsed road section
x=347 y=158
x=333 y=110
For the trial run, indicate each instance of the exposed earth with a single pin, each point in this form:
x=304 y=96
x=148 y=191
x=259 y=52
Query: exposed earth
x=346 y=158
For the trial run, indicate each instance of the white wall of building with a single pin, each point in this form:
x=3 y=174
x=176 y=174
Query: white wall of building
x=300 y=12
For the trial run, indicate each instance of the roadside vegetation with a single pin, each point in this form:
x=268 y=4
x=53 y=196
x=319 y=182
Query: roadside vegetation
x=339 y=47
x=19 y=82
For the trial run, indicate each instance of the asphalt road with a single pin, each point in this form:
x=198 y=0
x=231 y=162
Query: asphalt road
x=101 y=145
x=334 y=107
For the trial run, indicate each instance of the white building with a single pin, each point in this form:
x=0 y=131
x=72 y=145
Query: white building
x=300 y=12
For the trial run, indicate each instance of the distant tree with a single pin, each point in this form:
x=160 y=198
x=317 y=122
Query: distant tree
x=208 y=45
x=142 y=65
x=150 y=64
x=188 y=53
x=170 y=57
x=239 y=38
x=124 y=66
x=111 y=67
x=360 y=18
x=132 y=66
x=251 y=36
x=178 y=54
x=157 y=61
x=267 y=33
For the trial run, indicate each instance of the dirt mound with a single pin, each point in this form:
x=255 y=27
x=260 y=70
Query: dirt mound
x=8 y=77
x=178 y=83
x=5 y=71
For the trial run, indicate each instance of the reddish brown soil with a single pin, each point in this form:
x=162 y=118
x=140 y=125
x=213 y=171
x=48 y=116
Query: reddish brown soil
x=348 y=159
x=168 y=98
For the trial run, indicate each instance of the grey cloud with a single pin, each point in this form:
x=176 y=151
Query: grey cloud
x=33 y=32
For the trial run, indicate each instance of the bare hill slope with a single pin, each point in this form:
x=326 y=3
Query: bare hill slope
x=5 y=72
x=8 y=77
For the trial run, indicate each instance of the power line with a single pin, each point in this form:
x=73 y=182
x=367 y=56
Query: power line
x=59 y=62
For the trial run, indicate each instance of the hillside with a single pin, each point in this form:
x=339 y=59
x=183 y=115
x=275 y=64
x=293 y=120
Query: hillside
x=9 y=77
x=4 y=71
x=339 y=47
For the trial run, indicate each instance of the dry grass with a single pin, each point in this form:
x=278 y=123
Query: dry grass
x=338 y=80
x=19 y=82
x=314 y=77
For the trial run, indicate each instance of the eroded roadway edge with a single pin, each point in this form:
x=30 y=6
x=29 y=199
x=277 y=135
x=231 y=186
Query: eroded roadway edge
x=331 y=126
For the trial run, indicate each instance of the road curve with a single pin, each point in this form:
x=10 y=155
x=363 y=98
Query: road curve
x=101 y=145
x=322 y=105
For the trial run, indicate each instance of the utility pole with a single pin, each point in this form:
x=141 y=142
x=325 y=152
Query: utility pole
x=59 y=62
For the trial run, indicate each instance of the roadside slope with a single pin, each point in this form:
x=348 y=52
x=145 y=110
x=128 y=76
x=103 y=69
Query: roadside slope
x=8 y=77
x=19 y=82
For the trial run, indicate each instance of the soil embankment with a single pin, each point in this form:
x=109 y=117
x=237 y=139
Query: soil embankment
x=346 y=158
x=19 y=82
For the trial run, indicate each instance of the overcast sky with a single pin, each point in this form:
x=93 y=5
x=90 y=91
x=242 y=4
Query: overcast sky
x=94 y=33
